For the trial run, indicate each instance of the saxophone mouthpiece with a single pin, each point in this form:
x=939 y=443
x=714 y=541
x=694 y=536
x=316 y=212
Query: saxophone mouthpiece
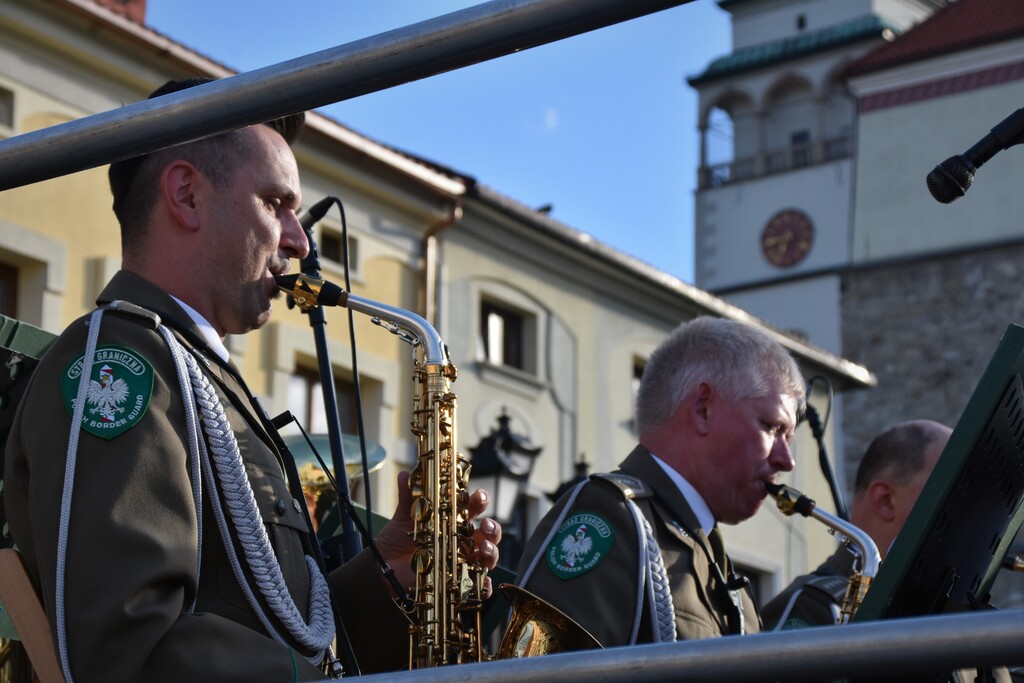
x=789 y=500
x=310 y=292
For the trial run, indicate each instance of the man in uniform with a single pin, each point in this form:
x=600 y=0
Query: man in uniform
x=636 y=556
x=889 y=479
x=162 y=534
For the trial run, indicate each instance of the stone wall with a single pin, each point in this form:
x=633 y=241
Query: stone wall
x=927 y=329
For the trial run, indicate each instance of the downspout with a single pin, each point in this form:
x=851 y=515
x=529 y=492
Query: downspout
x=430 y=276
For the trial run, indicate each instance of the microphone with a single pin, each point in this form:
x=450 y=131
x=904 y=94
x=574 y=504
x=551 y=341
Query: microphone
x=952 y=178
x=315 y=213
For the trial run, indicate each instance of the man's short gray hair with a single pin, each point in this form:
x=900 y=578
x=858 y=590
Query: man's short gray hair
x=738 y=359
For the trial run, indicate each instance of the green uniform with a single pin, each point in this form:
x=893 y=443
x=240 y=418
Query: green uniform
x=590 y=567
x=132 y=568
x=812 y=599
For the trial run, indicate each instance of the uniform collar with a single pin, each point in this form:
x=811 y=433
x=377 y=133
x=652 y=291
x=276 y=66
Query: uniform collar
x=693 y=498
x=213 y=340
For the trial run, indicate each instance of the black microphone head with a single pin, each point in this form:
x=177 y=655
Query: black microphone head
x=951 y=179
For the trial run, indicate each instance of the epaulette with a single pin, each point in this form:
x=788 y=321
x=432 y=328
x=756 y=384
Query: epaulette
x=832 y=586
x=630 y=487
x=135 y=312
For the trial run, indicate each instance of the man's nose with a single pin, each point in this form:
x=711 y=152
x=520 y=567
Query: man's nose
x=293 y=237
x=782 y=456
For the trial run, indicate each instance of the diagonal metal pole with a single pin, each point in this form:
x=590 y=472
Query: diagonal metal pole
x=452 y=41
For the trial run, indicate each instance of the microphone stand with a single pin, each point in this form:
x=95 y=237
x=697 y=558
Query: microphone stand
x=818 y=430
x=348 y=543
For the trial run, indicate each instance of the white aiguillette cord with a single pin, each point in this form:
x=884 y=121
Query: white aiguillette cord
x=238 y=498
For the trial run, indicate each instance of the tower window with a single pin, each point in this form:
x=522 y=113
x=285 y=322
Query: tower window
x=801 y=22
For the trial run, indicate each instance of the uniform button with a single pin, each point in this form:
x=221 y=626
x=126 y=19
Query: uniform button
x=280 y=506
x=297 y=505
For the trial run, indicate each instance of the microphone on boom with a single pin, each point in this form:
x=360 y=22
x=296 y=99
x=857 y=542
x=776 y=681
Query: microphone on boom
x=952 y=178
x=315 y=213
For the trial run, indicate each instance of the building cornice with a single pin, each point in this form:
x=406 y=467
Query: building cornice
x=641 y=274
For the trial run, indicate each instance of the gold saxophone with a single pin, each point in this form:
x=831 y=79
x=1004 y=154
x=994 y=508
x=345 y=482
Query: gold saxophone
x=865 y=567
x=448 y=595
x=446 y=613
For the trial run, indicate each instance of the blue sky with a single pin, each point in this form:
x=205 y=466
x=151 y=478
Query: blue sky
x=602 y=126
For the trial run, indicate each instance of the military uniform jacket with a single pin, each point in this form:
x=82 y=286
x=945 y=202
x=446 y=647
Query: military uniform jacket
x=600 y=591
x=132 y=563
x=812 y=599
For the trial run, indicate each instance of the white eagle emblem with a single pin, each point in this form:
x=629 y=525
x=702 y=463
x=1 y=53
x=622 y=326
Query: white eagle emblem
x=107 y=394
x=576 y=546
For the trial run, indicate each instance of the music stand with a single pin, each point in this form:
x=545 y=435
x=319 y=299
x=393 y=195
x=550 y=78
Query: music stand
x=952 y=545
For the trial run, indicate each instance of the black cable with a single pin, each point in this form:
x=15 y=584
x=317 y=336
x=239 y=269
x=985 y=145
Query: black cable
x=818 y=430
x=356 y=388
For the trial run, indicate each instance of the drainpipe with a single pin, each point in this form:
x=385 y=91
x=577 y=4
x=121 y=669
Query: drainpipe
x=430 y=276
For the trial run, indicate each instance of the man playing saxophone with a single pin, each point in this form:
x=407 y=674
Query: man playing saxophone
x=143 y=484
x=889 y=479
x=636 y=556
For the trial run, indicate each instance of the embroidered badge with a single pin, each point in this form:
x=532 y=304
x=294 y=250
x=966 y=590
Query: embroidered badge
x=580 y=545
x=118 y=394
x=792 y=624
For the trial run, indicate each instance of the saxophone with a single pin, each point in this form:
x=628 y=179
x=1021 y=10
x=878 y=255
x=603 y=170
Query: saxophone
x=791 y=501
x=446 y=610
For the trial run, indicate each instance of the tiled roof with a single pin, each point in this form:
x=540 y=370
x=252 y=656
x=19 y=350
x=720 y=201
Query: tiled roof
x=810 y=42
x=959 y=26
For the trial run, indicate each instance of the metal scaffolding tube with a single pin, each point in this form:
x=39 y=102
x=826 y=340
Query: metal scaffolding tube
x=894 y=648
x=388 y=59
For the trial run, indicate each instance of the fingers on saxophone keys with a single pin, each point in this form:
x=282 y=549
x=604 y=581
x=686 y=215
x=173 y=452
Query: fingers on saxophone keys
x=487 y=554
x=491 y=530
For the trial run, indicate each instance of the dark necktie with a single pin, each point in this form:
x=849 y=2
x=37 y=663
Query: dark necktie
x=718 y=550
x=733 y=603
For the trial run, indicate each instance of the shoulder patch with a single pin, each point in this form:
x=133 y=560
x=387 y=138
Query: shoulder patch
x=119 y=390
x=631 y=487
x=580 y=545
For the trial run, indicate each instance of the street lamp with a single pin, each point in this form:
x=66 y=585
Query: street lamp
x=501 y=464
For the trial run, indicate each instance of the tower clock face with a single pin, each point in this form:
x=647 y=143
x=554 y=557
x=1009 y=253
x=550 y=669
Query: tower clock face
x=787 y=238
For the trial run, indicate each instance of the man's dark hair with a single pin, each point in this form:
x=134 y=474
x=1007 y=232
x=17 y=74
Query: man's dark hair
x=899 y=452
x=134 y=183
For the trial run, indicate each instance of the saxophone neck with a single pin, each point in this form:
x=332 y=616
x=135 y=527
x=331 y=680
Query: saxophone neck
x=791 y=501
x=309 y=292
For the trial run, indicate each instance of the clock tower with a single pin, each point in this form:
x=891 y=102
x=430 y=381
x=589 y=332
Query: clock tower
x=774 y=203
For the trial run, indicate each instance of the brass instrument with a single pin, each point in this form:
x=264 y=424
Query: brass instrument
x=791 y=501
x=539 y=628
x=446 y=611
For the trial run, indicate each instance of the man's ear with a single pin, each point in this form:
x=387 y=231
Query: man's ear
x=880 y=497
x=700 y=405
x=179 y=186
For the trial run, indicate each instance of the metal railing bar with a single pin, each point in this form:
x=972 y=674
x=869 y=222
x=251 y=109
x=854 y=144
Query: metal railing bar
x=452 y=41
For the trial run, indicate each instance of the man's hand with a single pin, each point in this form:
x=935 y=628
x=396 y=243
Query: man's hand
x=396 y=546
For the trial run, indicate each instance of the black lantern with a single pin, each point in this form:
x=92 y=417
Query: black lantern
x=502 y=463
x=581 y=474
